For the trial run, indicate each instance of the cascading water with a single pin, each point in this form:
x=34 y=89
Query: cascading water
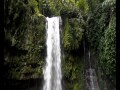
x=52 y=70
x=92 y=83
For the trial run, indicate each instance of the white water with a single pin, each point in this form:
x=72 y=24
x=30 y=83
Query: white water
x=52 y=70
x=92 y=83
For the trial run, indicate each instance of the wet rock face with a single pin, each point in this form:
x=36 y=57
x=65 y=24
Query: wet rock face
x=91 y=79
x=90 y=73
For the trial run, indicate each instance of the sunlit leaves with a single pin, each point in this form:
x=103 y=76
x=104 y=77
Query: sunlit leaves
x=72 y=34
x=83 y=5
x=108 y=3
x=109 y=49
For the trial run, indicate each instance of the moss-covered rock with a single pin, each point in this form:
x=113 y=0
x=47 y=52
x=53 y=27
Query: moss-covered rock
x=24 y=42
x=25 y=37
x=72 y=34
x=73 y=72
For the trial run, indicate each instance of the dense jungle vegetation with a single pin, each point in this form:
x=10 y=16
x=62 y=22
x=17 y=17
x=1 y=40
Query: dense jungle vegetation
x=90 y=22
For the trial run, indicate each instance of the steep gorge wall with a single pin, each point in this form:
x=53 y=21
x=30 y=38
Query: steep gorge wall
x=25 y=37
x=24 y=47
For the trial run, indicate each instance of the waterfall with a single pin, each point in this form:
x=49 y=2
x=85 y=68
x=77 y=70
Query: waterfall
x=52 y=70
x=91 y=75
x=92 y=83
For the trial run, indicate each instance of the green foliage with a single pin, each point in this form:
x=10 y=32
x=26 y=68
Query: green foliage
x=73 y=68
x=50 y=8
x=67 y=36
x=76 y=86
x=108 y=3
x=108 y=53
x=72 y=34
x=101 y=36
x=83 y=6
x=24 y=29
